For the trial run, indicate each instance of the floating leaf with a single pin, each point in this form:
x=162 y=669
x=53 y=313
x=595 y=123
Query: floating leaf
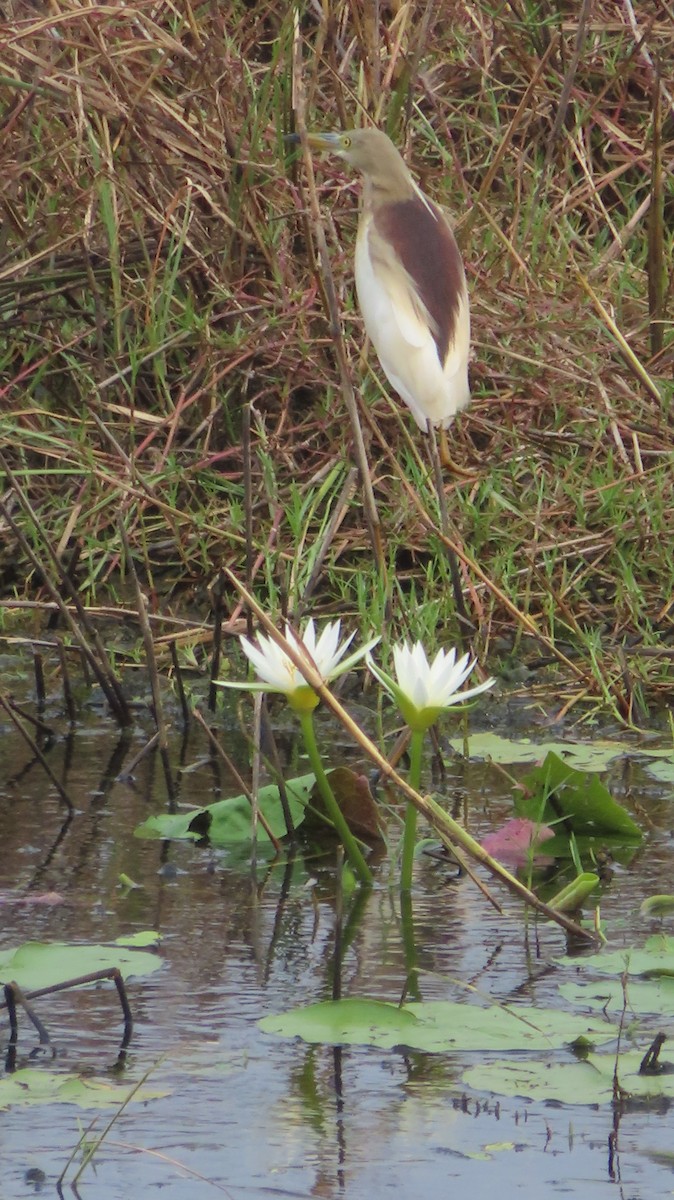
x=655 y=958
x=591 y=850
x=127 y=883
x=43 y=964
x=144 y=937
x=435 y=1026
x=32 y=1086
x=644 y=997
x=663 y=770
x=587 y=1082
x=230 y=821
x=555 y=792
x=596 y=755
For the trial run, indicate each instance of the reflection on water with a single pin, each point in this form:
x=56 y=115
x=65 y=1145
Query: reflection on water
x=248 y=1115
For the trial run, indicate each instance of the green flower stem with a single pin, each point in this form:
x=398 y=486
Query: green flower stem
x=410 y=832
x=333 y=810
x=412 y=991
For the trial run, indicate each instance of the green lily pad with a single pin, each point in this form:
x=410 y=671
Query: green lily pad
x=144 y=937
x=44 y=964
x=32 y=1086
x=644 y=997
x=438 y=1026
x=584 y=756
x=620 y=848
x=656 y=958
x=586 y=1082
x=663 y=770
x=555 y=792
x=228 y=822
x=588 y=756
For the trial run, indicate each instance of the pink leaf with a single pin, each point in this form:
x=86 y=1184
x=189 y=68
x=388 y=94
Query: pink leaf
x=512 y=843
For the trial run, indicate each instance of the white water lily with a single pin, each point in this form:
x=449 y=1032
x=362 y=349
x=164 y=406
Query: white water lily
x=278 y=673
x=424 y=690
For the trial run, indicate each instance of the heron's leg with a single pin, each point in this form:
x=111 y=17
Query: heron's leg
x=448 y=462
x=466 y=626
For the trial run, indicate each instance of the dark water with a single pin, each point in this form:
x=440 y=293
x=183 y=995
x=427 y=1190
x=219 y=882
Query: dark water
x=251 y=1116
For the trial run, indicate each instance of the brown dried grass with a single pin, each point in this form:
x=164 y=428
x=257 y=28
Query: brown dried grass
x=156 y=276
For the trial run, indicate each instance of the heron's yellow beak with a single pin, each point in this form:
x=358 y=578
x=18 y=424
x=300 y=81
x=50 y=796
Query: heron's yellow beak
x=325 y=141
x=318 y=141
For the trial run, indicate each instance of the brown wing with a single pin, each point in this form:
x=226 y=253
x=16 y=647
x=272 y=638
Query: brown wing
x=424 y=243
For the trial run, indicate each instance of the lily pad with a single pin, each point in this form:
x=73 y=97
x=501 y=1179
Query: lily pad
x=596 y=755
x=663 y=771
x=591 y=849
x=229 y=821
x=555 y=792
x=32 y=1086
x=656 y=958
x=587 y=756
x=589 y=1081
x=644 y=996
x=438 y=1026
x=44 y=964
x=144 y=937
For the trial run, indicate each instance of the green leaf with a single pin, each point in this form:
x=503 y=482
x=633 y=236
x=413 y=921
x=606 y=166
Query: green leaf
x=572 y=896
x=436 y=1026
x=644 y=997
x=654 y=959
x=127 y=883
x=144 y=937
x=43 y=964
x=32 y=1086
x=230 y=821
x=621 y=849
x=586 y=1082
x=594 y=756
x=662 y=771
x=586 y=756
x=555 y=791
x=657 y=906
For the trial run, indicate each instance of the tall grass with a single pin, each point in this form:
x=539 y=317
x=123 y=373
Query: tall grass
x=157 y=274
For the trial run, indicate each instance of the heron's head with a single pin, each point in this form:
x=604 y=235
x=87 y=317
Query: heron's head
x=373 y=154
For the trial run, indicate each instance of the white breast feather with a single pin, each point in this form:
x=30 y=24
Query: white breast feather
x=398 y=325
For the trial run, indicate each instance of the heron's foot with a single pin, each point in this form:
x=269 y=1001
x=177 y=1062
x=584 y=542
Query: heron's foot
x=448 y=462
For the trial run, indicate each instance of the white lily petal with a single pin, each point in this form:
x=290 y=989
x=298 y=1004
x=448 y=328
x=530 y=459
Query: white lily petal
x=267 y=660
x=456 y=675
x=280 y=674
x=308 y=637
x=461 y=697
x=328 y=650
x=426 y=687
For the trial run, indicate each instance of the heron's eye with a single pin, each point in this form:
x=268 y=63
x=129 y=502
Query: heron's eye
x=346 y=142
